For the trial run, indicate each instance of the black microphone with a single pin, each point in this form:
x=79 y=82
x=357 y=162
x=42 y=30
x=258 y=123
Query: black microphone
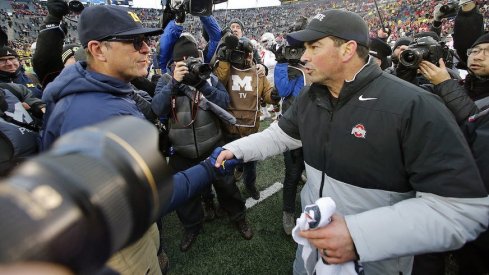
x=231 y=42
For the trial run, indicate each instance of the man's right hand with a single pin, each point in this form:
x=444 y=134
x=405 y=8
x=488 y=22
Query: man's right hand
x=224 y=155
x=180 y=71
x=58 y=8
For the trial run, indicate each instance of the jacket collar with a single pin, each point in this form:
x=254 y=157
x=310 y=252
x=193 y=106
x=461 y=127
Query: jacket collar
x=364 y=76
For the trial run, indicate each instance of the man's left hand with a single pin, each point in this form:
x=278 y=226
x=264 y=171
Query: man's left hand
x=334 y=239
x=260 y=69
x=434 y=74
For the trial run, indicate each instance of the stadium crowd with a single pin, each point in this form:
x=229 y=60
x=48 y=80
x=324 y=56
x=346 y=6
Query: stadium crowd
x=207 y=81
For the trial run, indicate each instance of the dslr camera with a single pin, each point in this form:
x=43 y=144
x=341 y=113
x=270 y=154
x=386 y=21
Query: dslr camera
x=425 y=48
x=197 y=70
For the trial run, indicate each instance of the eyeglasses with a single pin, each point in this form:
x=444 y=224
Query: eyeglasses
x=4 y=61
x=136 y=41
x=476 y=51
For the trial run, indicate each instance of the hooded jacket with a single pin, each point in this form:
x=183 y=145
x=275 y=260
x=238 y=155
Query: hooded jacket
x=79 y=97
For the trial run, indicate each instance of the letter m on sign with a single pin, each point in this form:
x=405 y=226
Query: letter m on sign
x=239 y=83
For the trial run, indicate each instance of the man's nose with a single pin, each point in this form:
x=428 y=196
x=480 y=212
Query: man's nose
x=144 y=48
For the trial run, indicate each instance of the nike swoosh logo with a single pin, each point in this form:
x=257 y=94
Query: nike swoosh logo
x=361 y=98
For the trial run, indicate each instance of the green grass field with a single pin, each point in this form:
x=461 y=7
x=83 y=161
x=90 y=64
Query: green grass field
x=220 y=249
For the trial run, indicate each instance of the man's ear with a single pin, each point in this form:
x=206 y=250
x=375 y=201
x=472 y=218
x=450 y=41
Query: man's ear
x=97 y=49
x=348 y=50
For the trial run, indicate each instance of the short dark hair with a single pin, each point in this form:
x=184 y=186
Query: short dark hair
x=362 y=51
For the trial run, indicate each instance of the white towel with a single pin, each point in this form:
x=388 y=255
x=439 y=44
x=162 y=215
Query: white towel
x=316 y=216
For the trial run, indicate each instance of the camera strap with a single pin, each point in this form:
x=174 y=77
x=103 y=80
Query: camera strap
x=193 y=109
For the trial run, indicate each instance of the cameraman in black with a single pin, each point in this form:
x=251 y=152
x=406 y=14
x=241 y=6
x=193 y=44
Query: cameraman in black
x=469 y=103
x=468 y=25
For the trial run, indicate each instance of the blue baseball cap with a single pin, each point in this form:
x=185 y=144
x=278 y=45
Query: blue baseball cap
x=99 y=22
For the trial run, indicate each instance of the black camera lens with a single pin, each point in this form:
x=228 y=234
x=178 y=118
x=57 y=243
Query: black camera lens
x=410 y=56
x=95 y=192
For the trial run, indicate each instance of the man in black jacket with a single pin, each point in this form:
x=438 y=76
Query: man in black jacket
x=385 y=151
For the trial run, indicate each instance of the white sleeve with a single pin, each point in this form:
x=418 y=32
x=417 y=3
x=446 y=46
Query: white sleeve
x=427 y=223
x=272 y=141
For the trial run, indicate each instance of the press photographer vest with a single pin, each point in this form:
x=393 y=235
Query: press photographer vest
x=198 y=138
x=245 y=96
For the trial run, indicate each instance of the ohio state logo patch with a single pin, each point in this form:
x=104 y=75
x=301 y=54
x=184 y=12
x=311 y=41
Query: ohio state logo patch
x=359 y=131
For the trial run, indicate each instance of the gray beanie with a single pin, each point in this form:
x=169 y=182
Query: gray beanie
x=237 y=21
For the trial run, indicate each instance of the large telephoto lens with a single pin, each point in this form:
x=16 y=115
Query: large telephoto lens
x=96 y=191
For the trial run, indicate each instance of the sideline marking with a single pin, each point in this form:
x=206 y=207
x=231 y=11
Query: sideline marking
x=264 y=194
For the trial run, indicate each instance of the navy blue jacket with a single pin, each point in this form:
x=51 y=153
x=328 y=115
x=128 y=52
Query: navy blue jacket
x=78 y=97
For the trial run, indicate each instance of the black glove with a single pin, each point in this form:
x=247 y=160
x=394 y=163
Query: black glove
x=279 y=54
x=58 y=8
x=180 y=16
x=274 y=95
x=166 y=16
x=406 y=74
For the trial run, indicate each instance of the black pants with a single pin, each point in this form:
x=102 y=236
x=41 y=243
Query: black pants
x=294 y=165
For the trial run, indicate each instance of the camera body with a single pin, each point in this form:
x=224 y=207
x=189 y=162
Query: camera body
x=293 y=53
x=450 y=9
x=239 y=55
x=197 y=69
x=194 y=7
x=423 y=48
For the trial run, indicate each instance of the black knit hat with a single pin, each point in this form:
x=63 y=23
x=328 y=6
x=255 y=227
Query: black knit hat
x=402 y=41
x=69 y=51
x=482 y=39
x=237 y=21
x=7 y=51
x=339 y=23
x=381 y=50
x=184 y=47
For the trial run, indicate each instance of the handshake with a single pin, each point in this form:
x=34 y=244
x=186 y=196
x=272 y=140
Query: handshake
x=226 y=167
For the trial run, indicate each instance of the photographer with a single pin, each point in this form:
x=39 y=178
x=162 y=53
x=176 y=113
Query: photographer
x=246 y=87
x=469 y=104
x=194 y=130
x=425 y=46
x=468 y=25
